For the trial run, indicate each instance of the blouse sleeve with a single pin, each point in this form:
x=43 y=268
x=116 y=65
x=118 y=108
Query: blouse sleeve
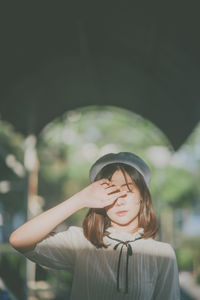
x=59 y=251
x=167 y=285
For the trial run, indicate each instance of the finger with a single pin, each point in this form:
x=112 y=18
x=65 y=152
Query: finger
x=111 y=185
x=112 y=199
x=104 y=180
x=117 y=195
x=110 y=190
x=109 y=202
x=105 y=185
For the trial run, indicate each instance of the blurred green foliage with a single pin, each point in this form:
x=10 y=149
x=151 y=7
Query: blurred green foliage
x=188 y=254
x=185 y=259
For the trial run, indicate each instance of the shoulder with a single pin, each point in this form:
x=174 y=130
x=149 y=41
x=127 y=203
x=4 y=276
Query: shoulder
x=75 y=230
x=158 y=248
x=72 y=237
x=70 y=232
x=76 y=235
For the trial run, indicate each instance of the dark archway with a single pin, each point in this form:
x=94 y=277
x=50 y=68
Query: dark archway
x=140 y=56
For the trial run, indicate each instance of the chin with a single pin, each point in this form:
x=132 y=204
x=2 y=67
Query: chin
x=123 y=221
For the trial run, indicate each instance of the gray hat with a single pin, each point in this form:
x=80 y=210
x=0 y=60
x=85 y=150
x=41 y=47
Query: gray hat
x=127 y=158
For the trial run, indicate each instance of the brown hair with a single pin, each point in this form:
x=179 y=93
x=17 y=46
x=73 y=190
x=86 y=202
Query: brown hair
x=96 y=221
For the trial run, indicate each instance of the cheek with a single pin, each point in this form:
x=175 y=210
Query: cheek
x=136 y=209
x=110 y=208
x=133 y=204
x=110 y=211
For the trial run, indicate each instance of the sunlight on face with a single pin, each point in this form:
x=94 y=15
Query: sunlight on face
x=124 y=211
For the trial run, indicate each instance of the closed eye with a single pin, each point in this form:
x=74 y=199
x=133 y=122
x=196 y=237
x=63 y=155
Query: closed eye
x=129 y=188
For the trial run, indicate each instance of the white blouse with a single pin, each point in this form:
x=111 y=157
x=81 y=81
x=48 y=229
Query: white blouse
x=141 y=269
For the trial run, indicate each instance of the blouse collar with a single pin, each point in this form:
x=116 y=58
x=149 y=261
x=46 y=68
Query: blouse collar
x=125 y=235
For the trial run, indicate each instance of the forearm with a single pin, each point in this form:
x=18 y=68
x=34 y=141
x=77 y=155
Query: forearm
x=29 y=234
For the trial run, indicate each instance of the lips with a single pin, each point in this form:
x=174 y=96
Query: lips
x=121 y=212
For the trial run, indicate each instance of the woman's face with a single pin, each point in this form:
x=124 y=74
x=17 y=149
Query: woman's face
x=124 y=211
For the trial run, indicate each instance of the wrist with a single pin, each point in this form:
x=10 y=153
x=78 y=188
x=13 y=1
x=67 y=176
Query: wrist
x=76 y=201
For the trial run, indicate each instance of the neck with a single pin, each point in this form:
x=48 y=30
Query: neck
x=129 y=228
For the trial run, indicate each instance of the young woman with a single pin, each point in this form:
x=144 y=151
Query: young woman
x=115 y=254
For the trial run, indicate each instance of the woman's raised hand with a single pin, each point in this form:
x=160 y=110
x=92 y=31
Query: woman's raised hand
x=100 y=194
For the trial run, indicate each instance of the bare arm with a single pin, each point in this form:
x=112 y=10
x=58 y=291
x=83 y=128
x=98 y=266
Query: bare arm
x=98 y=194
x=29 y=234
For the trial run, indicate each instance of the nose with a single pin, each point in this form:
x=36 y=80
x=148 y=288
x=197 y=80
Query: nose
x=120 y=201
